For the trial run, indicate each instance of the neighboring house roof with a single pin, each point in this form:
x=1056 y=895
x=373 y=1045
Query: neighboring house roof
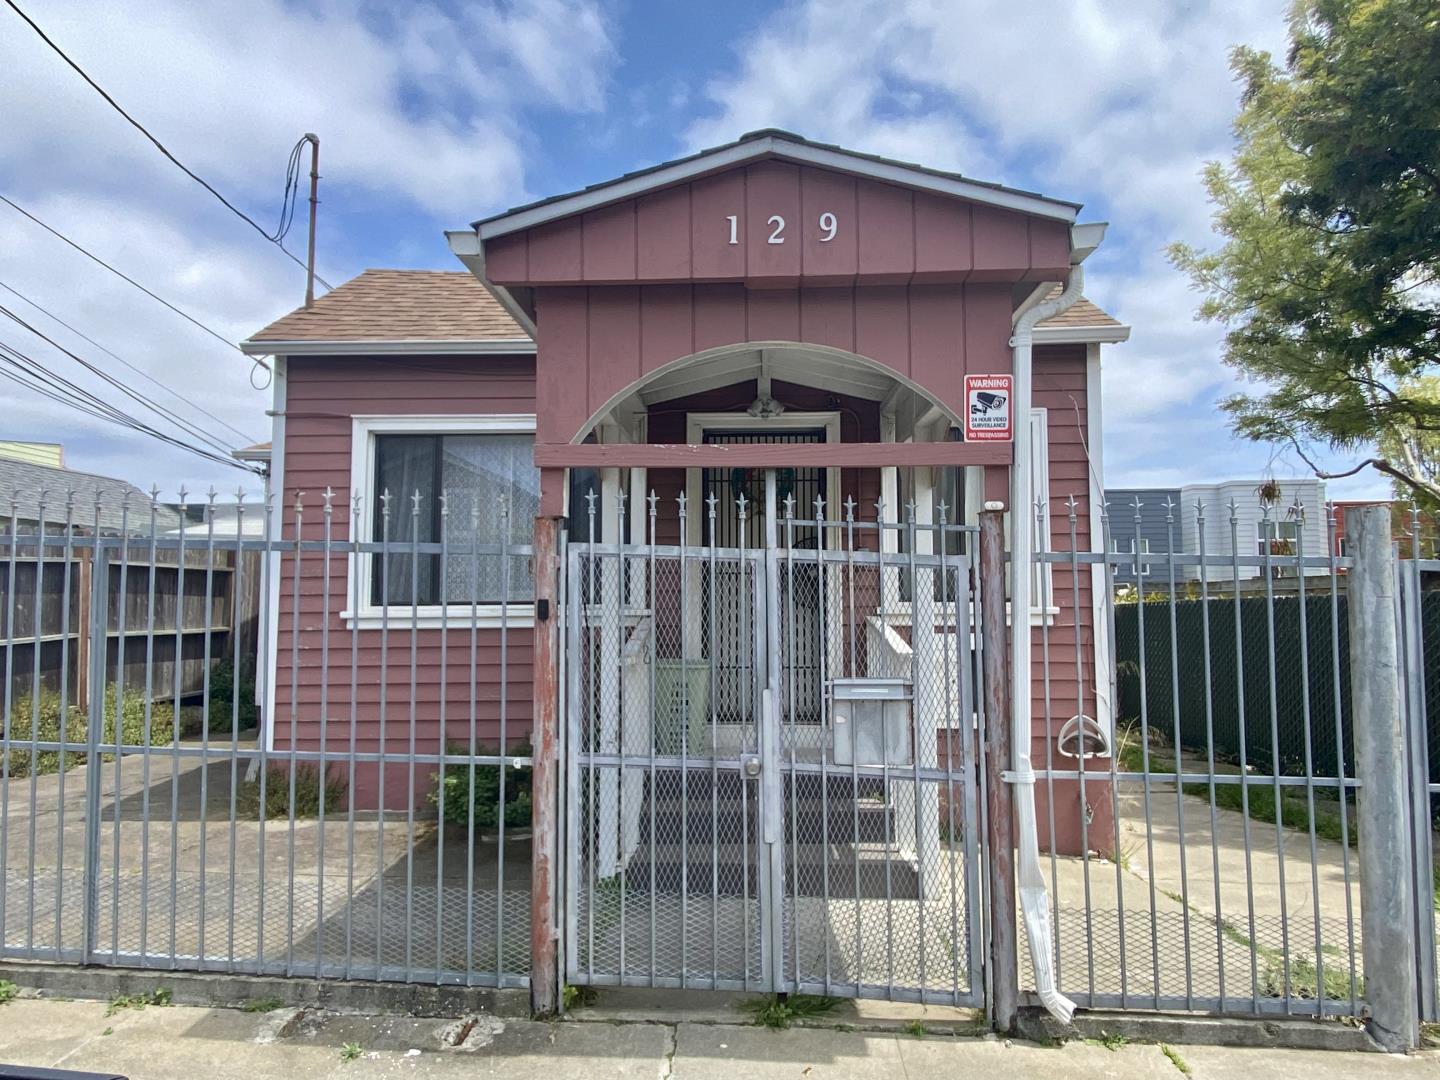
x=450 y=310
x=259 y=452
x=398 y=310
x=21 y=485
x=773 y=143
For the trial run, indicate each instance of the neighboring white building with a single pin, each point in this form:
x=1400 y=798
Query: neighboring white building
x=1252 y=529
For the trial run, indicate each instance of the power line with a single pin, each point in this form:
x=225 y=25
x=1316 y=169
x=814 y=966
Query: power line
x=134 y=395
x=33 y=375
x=121 y=360
x=126 y=277
x=291 y=176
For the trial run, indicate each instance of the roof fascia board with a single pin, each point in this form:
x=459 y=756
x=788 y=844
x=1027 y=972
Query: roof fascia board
x=770 y=146
x=465 y=245
x=1081 y=335
x=411 y=347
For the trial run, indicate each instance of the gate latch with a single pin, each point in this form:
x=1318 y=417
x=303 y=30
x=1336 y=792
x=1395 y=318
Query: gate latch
x=752 y=766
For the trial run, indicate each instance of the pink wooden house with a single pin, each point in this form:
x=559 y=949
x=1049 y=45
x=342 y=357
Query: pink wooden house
x=769 y=308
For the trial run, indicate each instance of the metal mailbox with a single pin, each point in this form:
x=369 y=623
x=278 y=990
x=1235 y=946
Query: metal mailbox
x=872 y=722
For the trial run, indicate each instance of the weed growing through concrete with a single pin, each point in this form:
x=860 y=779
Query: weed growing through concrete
x=1110 y=1040
x=578 y=997
x=159 y=996
x=916 y=1028
x=1175 y=1058
x=350 y=1051
x=772 y=1012
x=262 y=1005
x=8 y=991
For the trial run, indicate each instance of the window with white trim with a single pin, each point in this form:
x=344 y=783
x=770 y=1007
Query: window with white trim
x=1120 y=547
x=484 y=468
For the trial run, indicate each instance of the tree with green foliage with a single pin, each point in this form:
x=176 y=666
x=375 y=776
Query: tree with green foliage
x=1328 y=279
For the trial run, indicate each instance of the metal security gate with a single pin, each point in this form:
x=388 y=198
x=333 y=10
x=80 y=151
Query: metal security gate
x=771 y=774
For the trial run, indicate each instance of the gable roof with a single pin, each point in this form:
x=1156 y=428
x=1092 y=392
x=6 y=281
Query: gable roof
x=773 y=143
x=397 y=310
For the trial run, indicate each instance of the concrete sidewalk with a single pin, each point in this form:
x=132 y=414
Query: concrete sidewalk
x=183 y=1043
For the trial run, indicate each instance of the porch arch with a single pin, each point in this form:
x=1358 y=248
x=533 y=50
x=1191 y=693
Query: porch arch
x=920 y=414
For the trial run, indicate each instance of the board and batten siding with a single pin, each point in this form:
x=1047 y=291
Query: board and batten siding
x=323 y=394
x=596 y=342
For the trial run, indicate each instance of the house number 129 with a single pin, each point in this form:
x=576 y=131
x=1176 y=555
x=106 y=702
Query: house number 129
x=828 y=228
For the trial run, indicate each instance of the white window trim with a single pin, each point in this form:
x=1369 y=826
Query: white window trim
x=360 y=612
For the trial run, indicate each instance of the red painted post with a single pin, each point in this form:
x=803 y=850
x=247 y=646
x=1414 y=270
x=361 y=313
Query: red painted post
x=1000 y=839
x=545 y=808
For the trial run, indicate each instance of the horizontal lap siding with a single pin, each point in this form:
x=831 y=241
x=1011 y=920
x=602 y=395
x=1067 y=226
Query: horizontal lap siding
x=1060 y=387
x=322 y=397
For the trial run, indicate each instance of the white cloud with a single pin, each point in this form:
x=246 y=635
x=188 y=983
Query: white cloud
x=1118 y=103
x=421 y=110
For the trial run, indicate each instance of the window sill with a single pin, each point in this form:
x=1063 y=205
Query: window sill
x=455 y=617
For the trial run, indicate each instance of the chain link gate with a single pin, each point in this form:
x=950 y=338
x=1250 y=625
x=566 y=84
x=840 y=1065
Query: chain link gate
x=771 y=767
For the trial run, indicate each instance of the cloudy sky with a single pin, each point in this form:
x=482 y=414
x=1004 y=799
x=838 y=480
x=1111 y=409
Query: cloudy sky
x=433 y=114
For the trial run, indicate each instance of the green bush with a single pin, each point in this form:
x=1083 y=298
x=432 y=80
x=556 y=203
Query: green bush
x=484 y=794
x=308 y=793
x=218 y=709
x=132 y=729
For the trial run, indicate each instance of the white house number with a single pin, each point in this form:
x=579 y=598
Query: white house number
x=829 y=226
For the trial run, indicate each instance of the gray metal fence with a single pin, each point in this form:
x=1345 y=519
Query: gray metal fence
x=1206 y=854
x=772 y=752
x=365 y=814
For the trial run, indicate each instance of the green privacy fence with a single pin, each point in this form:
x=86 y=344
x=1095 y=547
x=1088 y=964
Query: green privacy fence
x=1240 y=683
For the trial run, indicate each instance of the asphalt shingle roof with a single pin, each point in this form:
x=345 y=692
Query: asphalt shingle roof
x=400 y=305
x=23 y=483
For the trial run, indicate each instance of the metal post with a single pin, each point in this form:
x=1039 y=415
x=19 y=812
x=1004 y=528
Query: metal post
x=95 y=629
x=1386 y=902
x=544 y=821
x=1000 y=841
x=314 y=141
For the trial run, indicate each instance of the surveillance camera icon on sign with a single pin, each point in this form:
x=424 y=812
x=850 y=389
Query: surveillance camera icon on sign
x=984 y=404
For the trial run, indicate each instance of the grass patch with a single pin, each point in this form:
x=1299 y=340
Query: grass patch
x=159 y=996
x=262 y=1005
x=1303 y=981
x=308 y=793
x=772 y=1012
x=350 y=1051
x=1175 y=1058
x=8 y=991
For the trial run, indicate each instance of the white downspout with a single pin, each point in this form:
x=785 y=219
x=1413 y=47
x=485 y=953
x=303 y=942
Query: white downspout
x=1030 y=877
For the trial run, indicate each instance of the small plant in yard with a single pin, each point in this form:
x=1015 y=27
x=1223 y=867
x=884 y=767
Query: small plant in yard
x=350 y=1051
x=1175 y=1058
x=308 y=793
x=108 y=1031
x=8 y=991
x=227 y=709
x=772 y=1011
x=916 y=1028
x=461 y=785
x=262 y=1005
x=39 y=718
x=158 y=996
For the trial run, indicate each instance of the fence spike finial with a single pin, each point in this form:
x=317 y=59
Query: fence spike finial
x=183 y=496
x=385 y=504
x=415 y=504
x=850 y=508
x=681 y=500
x=789 y=503
x=1070 y=506
x=942 y=509
x=1136 y=504
x=653 y=499
x=819 y=507
x=711 y=501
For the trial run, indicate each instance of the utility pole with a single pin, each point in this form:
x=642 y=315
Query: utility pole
x=314 y=141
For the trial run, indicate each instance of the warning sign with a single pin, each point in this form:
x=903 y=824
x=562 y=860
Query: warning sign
x=987 y=408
